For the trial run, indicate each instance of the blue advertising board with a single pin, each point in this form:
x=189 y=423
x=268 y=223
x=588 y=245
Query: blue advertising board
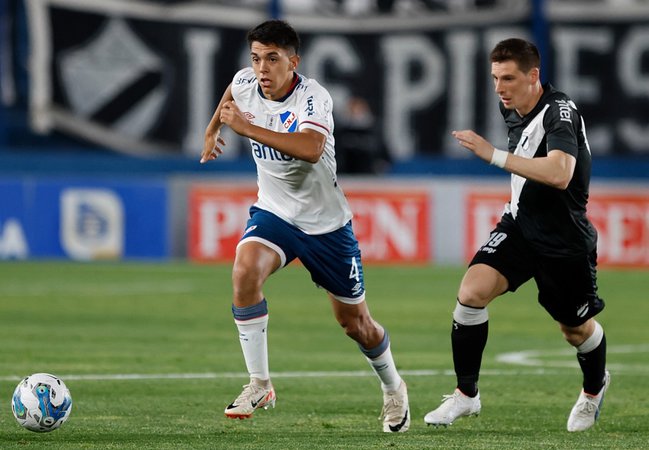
x=83 y=219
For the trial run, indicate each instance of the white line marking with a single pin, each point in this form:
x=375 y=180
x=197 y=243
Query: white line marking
x=560 y=358
x=530 y=359
x=243 y=375
x=100 y=289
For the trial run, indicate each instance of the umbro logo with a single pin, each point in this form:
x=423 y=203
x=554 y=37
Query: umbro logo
x=249 y=229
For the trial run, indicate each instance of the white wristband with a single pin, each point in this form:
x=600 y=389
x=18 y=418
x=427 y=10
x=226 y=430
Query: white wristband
x=498 y=158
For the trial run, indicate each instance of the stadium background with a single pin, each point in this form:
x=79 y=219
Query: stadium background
x=104 y=104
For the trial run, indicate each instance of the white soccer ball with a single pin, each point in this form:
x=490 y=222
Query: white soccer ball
x=41 y=402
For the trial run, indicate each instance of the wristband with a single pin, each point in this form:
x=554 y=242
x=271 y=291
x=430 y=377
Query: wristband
x=498 y=158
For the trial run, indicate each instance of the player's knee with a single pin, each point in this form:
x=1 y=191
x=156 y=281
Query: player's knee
x=359 y=328
x=577 y=336
x=473 y=295
x=246 y=281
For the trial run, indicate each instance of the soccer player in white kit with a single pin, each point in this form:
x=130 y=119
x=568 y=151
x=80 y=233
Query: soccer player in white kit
x=301 y=212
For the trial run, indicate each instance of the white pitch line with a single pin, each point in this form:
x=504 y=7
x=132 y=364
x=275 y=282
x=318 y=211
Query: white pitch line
x=556 y=358
x=306 y=374
x=530 y=360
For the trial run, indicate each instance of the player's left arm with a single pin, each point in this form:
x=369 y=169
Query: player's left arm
x=554 y=170
x=306 y=145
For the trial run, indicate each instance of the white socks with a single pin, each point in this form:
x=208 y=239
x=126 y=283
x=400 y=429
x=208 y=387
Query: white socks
x=254 y=343
x=386 y=370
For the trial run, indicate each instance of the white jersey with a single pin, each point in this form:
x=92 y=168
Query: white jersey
x=304 y=194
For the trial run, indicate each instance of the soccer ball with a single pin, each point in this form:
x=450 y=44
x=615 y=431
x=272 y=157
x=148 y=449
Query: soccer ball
x=41 y=402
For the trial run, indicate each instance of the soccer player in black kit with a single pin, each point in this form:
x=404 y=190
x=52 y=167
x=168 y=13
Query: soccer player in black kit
x=543 y=234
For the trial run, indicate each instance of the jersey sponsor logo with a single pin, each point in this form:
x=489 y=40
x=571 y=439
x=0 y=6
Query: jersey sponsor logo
x=310 y=108
x=263 y=151
x=289 y=120
x=565 y=110
x=241 y=80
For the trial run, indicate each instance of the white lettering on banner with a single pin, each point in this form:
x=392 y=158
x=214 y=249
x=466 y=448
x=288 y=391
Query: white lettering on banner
x=622 y=223
x=219 y=219
x=462 y=51
x=623 y=231
x=13 y=244
x=327 y=54
x=569 y=44
x=485 y=215
x=379 y=224
x=92 y=224
x=405 y=95
x=636 y=81
x=201 y=45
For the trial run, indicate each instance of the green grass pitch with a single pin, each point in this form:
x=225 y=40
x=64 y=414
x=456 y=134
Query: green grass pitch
x=151 y=356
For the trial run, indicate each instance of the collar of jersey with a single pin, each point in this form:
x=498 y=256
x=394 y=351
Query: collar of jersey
x=296 y=81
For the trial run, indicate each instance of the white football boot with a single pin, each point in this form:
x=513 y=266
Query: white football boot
x=454 y=406
x=396 y=410
x=586 y=410
x=254 y=395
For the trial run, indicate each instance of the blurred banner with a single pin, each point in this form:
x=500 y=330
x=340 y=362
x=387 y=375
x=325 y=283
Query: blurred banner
x=392 y=226
x=620 y=217
x=397 y=221
x=144 y=77
x=83 y=219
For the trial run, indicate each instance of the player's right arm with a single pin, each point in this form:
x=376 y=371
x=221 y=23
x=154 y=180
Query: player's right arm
x=305 y=145
x=213 y=141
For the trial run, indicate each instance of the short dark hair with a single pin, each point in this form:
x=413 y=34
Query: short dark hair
x=277 y=32
x=523 y=53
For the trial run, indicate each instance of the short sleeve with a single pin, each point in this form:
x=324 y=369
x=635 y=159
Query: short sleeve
x=561 y=124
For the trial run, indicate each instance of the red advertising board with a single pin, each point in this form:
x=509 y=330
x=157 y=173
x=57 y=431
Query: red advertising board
x=623 y=225
x=217 y=217
x=622 y=222
x=390 y=226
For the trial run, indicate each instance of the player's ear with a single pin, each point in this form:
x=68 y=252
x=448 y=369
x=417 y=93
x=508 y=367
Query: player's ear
x=295 y=61
x=534 y=74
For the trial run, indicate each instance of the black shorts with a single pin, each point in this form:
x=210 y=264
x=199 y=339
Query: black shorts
x=567 y=285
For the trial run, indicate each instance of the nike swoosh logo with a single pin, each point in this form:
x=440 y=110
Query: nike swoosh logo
x=397 y=427
x=255 y=403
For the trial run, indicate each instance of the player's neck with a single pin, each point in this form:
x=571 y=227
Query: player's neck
x=535 y=96
x=286 y=89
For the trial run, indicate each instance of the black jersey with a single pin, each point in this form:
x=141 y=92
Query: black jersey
x=552 y=220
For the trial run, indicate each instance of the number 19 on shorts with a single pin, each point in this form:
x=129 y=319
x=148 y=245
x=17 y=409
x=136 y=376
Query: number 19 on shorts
x=495 y=239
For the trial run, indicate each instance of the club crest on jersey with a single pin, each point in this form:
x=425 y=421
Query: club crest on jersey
x=289 y=121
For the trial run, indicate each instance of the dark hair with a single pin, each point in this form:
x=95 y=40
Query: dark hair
x=523 y=53
x=275 y=32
